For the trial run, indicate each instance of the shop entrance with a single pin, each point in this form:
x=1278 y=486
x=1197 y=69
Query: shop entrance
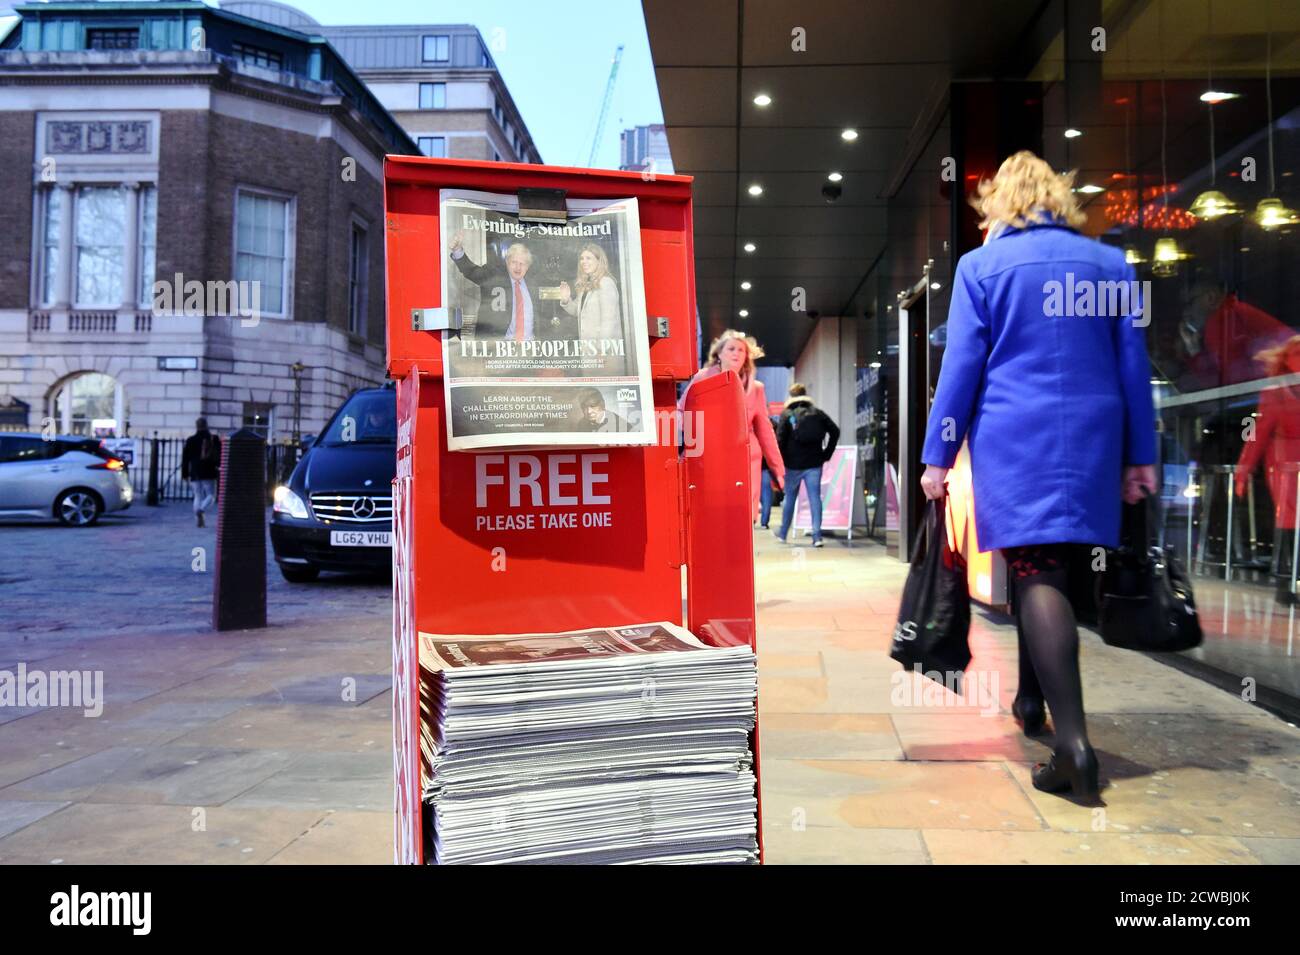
x=917 y=374
x=922 y=340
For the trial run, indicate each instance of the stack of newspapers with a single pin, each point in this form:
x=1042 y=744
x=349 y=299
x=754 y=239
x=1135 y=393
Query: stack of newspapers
x=623 y=745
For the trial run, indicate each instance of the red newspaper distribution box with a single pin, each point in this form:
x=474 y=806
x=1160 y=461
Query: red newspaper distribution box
x=662 y=511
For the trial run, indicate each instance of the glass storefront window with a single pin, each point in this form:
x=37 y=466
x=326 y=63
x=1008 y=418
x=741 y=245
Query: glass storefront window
x=1212 y=236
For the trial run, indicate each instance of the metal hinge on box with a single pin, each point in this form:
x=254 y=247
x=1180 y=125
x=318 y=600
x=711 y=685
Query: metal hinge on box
x=658 y=327
x=435 y=319
x=543 y=206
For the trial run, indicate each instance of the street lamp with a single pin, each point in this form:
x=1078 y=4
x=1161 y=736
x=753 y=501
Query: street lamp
x=297 y=368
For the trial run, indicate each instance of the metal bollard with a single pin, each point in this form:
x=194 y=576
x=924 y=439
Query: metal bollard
x=239 y=586
x=151 y=498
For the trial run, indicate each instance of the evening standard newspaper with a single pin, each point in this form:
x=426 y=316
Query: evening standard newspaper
x=621 y=745
x=619 y=645
x=552 y=347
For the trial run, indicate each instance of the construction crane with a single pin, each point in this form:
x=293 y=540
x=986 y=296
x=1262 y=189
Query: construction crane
x=604 y=106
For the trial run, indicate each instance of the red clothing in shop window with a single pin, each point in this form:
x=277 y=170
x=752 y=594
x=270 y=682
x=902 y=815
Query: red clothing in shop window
x=1234 y=335
x=1277 y=443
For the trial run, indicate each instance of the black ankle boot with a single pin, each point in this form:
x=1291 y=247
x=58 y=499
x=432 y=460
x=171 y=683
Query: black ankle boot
x=1072 y=769
x=1030 y=714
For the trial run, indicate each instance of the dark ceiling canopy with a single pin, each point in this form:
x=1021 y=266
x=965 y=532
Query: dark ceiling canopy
x=872 y=67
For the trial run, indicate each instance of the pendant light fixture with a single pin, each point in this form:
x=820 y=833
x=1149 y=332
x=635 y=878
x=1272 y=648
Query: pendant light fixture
x=1271 y=213
x=1167 y=254
x=1211 y=204
x=1132 y=254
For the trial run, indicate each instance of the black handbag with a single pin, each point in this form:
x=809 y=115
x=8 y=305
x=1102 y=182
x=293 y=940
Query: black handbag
x=1144 y=597
x=932 y=634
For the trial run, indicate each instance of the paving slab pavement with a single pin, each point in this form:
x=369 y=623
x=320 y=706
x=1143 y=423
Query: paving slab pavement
x=273 y=746
x=862 y=763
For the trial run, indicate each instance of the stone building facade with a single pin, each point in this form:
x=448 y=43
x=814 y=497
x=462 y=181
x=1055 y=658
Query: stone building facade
x=440 y=82
x=158 y=160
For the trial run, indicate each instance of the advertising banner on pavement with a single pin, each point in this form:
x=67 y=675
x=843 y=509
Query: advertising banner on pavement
x=837 y=492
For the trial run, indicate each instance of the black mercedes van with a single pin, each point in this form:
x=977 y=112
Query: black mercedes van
x=336 y=510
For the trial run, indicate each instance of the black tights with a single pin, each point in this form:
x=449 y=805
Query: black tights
x=1049 y=652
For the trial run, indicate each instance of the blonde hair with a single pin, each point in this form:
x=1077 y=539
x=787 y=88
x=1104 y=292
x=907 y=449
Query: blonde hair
x=752 y=351
x=1274 y=359
x=587 y=283
x=1023 y=188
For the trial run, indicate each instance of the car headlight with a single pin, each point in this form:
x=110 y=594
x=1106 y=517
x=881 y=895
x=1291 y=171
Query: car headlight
x=287 y=502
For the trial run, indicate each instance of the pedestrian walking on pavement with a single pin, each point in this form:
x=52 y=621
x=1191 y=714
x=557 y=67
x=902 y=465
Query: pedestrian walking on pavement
x=736 y=352
x=769 y=494
x=807 y=438
x=1057 y=408
x=200 y=465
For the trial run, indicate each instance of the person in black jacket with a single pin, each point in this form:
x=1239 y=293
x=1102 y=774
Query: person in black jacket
x=807 y=438
x=509 y=306
x=200 y=465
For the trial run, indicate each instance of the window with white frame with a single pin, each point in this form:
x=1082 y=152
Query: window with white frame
x=109 y=257
x=147 y=231
x=100 y=230
x=256 y=56
x=53 y=227
x=437 y=49
x=259 y=416
x=358 y=273
x=433 y=96
x=263 y=247
x=113 y=38
x=433 y=146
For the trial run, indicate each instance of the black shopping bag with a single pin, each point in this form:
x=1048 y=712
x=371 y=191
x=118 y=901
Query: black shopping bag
x=1144 y=597
x=934 y=618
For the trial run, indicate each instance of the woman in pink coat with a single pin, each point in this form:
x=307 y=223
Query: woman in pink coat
x=734 y=351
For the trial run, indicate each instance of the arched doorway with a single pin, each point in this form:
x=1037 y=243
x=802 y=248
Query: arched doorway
x=90 y=403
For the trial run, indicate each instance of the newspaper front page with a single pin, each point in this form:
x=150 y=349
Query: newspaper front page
x=552 y=348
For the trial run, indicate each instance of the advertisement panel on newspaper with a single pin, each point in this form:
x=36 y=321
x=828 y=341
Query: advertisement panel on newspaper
x=552 y=346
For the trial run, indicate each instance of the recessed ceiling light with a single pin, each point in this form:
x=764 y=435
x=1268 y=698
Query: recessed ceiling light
x=746 y=286
x=743 y=313
x=755 y=189
x=874 y=364
x=835 y=177
x=848 y=135
x=1073 y=133
x=1089 y=188
x=750 y=247
x=1217 y=96
x=936 y=286
x=762 y=99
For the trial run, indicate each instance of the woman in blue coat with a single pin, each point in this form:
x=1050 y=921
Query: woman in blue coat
x=1046 y=374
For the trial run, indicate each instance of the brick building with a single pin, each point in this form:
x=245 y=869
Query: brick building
x=439 y=82
x=236 y=162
